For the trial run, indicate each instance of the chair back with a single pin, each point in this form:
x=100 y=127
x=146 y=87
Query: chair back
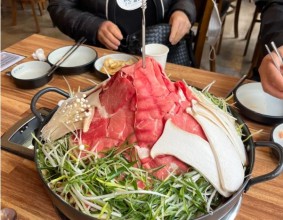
x=204 y=9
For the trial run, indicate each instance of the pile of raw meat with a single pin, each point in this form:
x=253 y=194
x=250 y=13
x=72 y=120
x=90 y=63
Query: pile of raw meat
x=134 y=106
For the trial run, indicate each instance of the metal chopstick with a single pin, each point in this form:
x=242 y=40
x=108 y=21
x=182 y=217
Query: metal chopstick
x=237 y=85
x=66 y=55
x=276 y=51
x=274 y=62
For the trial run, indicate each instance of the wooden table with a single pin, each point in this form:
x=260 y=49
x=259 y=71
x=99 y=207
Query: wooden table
x=22 y=189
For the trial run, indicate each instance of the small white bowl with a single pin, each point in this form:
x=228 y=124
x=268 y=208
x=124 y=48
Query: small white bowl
x=81 y=60
x=30 y=70
x=277 y=134
x=31 y=74
x=119 y=56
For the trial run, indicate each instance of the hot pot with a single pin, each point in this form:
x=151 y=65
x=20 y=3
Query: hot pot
x=71 y=213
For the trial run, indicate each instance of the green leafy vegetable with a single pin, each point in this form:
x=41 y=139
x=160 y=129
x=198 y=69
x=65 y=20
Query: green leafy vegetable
x=107 y=187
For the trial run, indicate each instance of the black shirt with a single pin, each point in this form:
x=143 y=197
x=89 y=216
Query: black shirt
x=131 y=21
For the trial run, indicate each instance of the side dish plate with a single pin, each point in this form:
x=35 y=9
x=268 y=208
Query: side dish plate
x=126 y=59
x=257 y=105
x=277 y=134
x=277 y=137
x=79 y=61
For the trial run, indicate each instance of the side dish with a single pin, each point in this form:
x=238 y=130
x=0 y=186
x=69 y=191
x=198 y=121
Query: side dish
x=111 y=66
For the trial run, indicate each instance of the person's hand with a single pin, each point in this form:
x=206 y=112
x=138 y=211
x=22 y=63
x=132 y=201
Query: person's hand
x=109 y=35
x=271 y=78
x=180 y=25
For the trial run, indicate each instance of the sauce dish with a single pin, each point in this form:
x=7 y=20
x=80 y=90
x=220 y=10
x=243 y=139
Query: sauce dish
x=32 y=74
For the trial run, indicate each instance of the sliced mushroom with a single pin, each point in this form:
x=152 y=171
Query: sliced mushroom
x=190 y=149
x=228 y=162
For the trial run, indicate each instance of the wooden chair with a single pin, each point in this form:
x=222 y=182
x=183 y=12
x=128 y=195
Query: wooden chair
x=33 y=3
x=250 y=30
x=259 y=4
x=257 y=54
x=204 y=10
x=234 y=8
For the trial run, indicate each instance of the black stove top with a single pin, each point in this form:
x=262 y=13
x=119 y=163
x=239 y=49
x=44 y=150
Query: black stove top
x=18 y=138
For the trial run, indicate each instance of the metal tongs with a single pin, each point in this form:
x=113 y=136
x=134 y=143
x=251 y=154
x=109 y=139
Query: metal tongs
x=277 y=53
x=143 y=7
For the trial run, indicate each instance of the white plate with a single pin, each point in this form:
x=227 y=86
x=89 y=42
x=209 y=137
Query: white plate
x=253 y=97
x=257 y=105
x=82 y=56
x=119 y=56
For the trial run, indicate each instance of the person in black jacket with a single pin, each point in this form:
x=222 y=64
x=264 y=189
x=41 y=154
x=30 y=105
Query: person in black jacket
x=106 y=22
x=272 y=30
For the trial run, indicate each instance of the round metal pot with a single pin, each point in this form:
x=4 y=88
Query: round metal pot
x=218 y=213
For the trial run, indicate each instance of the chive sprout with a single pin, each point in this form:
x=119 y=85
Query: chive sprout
x=107 y=187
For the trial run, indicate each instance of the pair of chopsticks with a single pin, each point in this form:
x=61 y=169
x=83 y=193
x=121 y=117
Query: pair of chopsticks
x=277 y=53
x=66 y=55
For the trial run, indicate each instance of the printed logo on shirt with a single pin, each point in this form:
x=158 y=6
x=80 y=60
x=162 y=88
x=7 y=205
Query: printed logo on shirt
x=129 y=4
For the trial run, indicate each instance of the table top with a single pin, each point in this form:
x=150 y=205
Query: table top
x=22 y=188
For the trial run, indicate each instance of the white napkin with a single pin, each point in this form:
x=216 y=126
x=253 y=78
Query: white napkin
x=39 y=55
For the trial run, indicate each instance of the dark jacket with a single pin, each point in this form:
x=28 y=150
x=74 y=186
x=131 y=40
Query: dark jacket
x=271 y=24
x=77 y=18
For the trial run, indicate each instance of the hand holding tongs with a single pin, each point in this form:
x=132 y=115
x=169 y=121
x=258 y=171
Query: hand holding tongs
x=278 y=55
x=143 y=7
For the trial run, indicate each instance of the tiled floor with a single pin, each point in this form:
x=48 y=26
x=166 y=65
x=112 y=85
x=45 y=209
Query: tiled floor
x=229 y=61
